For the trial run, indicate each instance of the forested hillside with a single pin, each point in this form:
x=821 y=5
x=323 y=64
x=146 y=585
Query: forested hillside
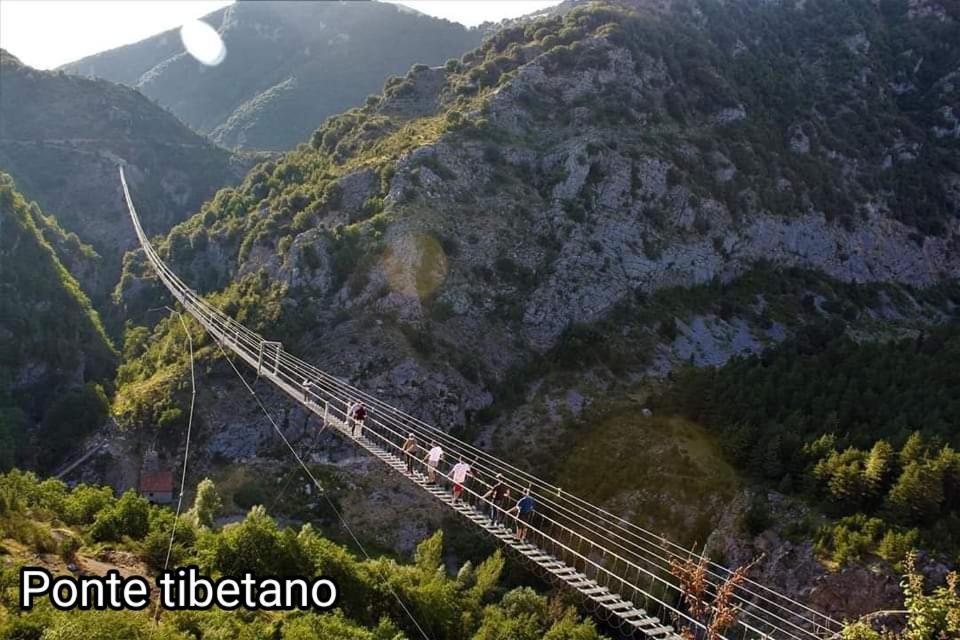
x=521 y=246
x=55 y=357
x=48 y=525
x=289 y=65
x=868 y=430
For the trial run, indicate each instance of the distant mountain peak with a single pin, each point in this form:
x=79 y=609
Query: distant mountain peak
x=8 y=58
x=340 y=52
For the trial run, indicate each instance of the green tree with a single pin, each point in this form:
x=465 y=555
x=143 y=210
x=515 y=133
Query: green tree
x=207 y=503
x=918 y=492
x=878 y=467
x=129 y=516
x=257 y=545
x=85 y=502
x=913 y=450
x=521 y=615
x=930 y=616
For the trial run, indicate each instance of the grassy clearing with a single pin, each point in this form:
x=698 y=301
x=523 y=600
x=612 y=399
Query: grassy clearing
x=668 y=471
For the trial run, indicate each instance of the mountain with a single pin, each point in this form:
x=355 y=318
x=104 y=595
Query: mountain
x=54 y=353
x=530 y=246
x=62 y=138
x=289 y=66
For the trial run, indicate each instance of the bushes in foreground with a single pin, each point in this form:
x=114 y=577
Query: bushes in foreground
x=472 y=604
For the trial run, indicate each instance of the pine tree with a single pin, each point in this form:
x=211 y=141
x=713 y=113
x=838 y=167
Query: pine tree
x=918 y=492
x=913 y=450
x=876 y=471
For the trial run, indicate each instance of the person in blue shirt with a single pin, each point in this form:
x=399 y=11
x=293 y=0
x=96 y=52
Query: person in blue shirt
x=524 y=512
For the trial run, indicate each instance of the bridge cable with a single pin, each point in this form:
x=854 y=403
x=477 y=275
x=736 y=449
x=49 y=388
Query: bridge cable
x=319 y=486
x=186 y=449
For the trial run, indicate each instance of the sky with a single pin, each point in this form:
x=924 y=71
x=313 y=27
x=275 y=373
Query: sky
x=47 y=33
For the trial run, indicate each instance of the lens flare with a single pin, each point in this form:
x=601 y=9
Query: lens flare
x=203 y=42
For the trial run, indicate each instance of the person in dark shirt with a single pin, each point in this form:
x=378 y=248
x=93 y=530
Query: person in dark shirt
x=524 y=511
x=410 y=451
x=359 y=416
x=497 y=498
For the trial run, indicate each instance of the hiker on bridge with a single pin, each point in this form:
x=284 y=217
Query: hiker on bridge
x=356 y=415
x=433 y=457
x=524 y=512
x=410 y=447
x=460 y=472
x=497 y=498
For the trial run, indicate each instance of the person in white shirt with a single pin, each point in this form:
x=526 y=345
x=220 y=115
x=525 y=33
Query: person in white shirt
x=433 y=457
x=460 y=472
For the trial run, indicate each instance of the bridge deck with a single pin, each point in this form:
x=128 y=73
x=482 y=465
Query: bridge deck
x=635 y=617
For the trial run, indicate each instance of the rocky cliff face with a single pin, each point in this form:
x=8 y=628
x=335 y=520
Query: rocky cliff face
x=289 y=65
x=514 y=243
x=539 y=185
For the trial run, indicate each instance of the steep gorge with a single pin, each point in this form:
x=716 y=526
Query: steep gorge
x=522 y=245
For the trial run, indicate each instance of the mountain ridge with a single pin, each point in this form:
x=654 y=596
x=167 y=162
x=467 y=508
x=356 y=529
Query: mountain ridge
x=289 y=65
x=525 y=245
x=62 y=138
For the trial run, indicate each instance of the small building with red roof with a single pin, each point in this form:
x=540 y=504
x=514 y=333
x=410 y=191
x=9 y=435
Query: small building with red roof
x=157 y=486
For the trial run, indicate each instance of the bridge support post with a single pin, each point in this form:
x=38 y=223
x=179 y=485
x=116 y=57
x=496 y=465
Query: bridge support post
x=278 y=347
x=326 y=411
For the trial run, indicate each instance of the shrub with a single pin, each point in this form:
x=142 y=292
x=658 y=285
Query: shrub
x=207 y=503
x=128 y=517
x=249 y=494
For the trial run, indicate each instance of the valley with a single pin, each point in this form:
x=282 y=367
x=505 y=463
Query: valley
x=697 y=263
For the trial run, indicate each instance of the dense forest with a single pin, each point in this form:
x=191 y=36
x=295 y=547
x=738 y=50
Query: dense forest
x=866 y=429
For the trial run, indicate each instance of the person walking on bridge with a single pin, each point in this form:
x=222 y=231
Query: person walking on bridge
x=524 y=512
x=460 y=472
x=497 y=498
x=433 y=457
x=351 y=409
x=359 y=416
x=410 y=451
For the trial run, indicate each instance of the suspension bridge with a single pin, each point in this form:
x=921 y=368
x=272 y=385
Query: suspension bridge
x=622 y=573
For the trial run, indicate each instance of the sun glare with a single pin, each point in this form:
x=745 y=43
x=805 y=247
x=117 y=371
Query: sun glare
x=203 y=42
